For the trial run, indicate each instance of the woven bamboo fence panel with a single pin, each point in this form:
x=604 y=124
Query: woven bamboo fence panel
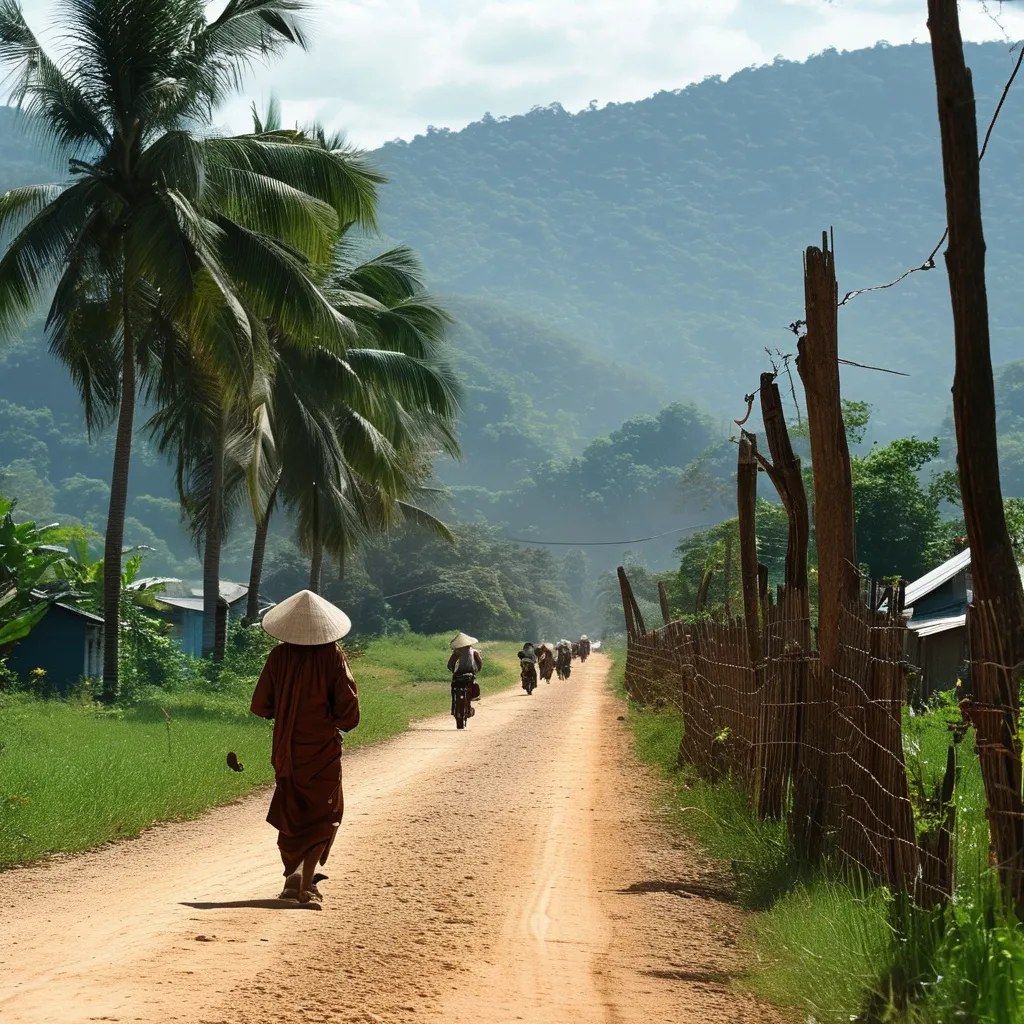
x=826 y=754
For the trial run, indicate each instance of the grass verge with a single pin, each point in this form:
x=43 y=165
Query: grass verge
x=833 y=948
x=75 y=775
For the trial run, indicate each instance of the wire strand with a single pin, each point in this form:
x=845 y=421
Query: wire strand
x=929 y=263
x=607 y=543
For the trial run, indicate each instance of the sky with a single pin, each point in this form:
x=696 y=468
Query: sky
x=386 y=69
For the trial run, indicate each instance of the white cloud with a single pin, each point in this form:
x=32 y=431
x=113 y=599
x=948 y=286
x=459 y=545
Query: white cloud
x=381 y=69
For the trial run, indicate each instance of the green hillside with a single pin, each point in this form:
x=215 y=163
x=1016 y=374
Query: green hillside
x=667 y=233
x=605 y=264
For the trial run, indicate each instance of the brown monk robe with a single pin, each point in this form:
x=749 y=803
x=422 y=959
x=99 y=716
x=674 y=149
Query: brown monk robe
x=310 y=693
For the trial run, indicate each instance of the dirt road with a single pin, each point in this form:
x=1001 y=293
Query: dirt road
x=510 y=872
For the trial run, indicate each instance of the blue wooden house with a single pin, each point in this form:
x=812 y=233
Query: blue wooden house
x=936 y=606
x=185 y=613
x=67 y=644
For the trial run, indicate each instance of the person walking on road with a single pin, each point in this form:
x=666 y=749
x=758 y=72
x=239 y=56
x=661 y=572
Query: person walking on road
x=308 y=689
x=563 y=659
x=546 y=661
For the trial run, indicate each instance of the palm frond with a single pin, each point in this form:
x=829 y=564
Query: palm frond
x=344 y=181
x=39 y=251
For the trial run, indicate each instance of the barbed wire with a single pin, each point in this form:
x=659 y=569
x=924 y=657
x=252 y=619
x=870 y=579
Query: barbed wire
x=929 y=264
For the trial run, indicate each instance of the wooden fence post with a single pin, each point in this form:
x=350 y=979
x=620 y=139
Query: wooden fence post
x=789 y=482
x=701 y=602
x=818 y=365
x=666 y=612
x=634 y=619
x=996 y=623
x=838 y=579
x=746 y=509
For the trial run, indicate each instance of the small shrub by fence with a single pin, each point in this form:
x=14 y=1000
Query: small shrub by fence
x=825 y=752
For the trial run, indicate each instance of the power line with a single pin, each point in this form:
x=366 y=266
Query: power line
x=606 y=543
x=560 y=543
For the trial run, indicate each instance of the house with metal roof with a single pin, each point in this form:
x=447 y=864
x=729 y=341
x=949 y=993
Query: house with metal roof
x=185 y=613
x=67 y=644
x=937 y=608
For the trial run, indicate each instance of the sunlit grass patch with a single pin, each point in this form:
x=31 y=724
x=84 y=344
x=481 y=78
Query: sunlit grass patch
x=74 y=775
x=837 y=948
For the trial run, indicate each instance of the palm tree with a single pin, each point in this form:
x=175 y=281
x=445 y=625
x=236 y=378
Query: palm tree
x=346 y=441
x=159 y=226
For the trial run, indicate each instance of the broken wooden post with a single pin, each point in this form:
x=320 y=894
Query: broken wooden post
x=789 y=482
x=818 y=365
x=996 y=621
x=746 y=510
x=666 y=612
x=702 y=592
x=635 y=627
x=816 y=789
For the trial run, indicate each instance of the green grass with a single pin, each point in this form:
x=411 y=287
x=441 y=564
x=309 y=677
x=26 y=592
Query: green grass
x=836 y=949
x=74 y=775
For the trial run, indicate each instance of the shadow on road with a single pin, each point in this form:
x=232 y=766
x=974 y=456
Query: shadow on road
x=253 y=905
x=707 y=977
x=685 y=890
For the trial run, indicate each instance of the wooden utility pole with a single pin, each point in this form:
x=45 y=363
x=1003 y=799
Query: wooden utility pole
x=818 y=365
x=746 y=510
x=996 y=622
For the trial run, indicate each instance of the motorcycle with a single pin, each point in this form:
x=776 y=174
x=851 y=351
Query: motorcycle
x=462 y=699
x=528 y=677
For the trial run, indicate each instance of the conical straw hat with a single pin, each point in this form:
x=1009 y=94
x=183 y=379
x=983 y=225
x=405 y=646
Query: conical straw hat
x=464 y=640
x=306 y=619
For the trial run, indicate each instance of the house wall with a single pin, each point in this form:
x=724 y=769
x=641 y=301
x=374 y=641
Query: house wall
x=57 y=645
x=952 y=594
x=188 y=631
x=939 y=657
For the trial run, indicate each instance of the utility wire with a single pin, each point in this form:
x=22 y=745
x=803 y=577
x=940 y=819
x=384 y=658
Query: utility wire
x=561 y=543
x=929 y=263
x=607 y=543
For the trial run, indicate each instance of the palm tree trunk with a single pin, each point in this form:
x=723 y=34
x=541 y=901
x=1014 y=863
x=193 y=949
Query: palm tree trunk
x=259 y=549
x=316 y=562
x=114 y=541
x=316 y=565
x=211 y=547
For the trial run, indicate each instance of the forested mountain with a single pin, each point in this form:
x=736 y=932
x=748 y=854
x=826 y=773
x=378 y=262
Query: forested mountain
x=605 y=264
x=667 y=233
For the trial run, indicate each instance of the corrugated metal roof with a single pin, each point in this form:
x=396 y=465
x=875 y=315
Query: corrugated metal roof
x=79 y=611
x=933 y=580
x=229 y=592
x=194 y=604
x=937 y=624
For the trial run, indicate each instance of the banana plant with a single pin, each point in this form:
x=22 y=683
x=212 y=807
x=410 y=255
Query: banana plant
x=27 y=574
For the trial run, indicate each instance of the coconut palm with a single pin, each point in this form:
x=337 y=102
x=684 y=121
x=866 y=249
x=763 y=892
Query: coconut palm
x=346 y=443
x=342 y=439
x=159 y=226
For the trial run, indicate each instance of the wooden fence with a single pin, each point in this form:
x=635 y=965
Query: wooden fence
x=826 y=753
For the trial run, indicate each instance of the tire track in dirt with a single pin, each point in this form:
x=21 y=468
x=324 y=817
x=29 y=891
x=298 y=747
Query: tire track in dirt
x=511 y=871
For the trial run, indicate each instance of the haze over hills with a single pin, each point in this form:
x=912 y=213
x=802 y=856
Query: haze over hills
x=604 y=264
x=667 y=234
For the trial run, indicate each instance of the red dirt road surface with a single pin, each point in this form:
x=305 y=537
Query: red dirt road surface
x=513 y=871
